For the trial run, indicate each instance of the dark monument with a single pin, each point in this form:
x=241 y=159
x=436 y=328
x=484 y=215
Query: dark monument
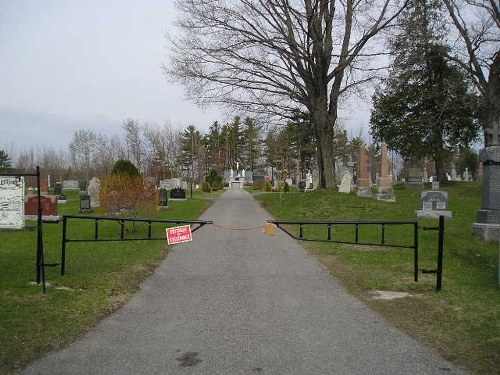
x=163 y=198
x=177 y=193
x=85 y=204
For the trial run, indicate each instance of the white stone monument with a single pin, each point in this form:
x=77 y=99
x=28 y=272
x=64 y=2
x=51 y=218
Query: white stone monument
x=94 y=190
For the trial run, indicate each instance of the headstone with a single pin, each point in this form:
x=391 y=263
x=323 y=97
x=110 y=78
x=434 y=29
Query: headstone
x=488 y=217
x=184 y=185
x=58 y=192
x=44 y=184
x=49 y=207
x=71 y=185
x=364 y=183
x=94 y=190
x=170 y=184
x=163 y=198
x=315 y=179
x=465 y=176
x=434 y=204
x=414 y=179
x=11 y=202
x=435 y=185
x=85 y=206
x=58 y=189
x=178 y=193
x=309 y=181
x=453 y=172
x=385 y=179
x=289 y=181
x=345 y=184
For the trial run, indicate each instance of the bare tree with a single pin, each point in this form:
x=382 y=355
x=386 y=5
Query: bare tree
x=135 y=147
x=163 y=149
x=270 y=56
x=477 y=50
x=82 y=149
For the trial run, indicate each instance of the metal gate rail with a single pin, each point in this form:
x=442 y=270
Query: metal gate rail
x=383 y=225
x=357 y=224
x=121 y=221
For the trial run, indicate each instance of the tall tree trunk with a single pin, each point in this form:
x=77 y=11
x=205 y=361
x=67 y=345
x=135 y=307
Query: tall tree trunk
x=323 y=123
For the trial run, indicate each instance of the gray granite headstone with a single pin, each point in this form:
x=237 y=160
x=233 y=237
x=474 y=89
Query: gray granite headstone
x=488 y=217
x=414 y=179
x=434 y=204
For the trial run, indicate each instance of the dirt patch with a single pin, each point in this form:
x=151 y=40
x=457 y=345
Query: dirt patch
x=188 y=359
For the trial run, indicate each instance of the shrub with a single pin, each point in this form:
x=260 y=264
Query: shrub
x=213 y=178
x=286 y=187
x=126 y=168
x=268 y=187
x=257 y=185
x=205 y=187
x=125 y=191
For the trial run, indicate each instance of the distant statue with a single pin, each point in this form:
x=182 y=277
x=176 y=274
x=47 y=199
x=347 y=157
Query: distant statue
x=243 y=173
x=232 y=173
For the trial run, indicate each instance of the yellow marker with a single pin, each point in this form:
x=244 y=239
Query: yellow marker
x=270 y=229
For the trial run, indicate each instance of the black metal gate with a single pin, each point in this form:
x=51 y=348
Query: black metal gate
x=121 y=221
x=383 y=225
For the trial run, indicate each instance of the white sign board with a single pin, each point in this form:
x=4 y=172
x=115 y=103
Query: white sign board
x=11 y=202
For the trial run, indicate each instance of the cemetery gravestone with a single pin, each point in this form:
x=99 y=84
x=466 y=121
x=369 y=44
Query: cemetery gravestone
x=345 y=184
x=71 y=185
x=364 y=184
x=488 y=217
x=58 y=192
x=85 y=206
x=94 y=190
x=44 y=184
x=163 y=198
x=178 y=193
x=414 y=179
x=49 y=208
x=385 y=192
x=434 y=204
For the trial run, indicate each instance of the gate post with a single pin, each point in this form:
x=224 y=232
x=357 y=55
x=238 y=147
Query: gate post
x=440 y=254
x=415 y=252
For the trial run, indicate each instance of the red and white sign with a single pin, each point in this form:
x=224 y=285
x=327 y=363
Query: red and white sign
x=179 y=234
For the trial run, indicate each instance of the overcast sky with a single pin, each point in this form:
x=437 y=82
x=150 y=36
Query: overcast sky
x=72 y=64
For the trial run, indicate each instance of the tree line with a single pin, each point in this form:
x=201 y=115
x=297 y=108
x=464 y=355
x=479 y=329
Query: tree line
x=276 y=57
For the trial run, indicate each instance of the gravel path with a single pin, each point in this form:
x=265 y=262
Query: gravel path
x=240 y=302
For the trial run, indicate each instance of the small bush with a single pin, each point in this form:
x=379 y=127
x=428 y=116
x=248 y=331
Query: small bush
x=126 y=168
x=286 y=187
x=268 y=187
x=205 y=187
x=257 y=185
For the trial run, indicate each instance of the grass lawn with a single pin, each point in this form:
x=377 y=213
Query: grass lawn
x=100 y=277
x=462 y=322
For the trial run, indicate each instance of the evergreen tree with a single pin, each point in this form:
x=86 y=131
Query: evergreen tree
x=191 y=142
x=251 y=143
x=5 y=162
x=426 y=107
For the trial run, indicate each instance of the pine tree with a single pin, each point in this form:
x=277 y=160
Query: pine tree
x=252 y=143
x=5 y=162
x=426 y=107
